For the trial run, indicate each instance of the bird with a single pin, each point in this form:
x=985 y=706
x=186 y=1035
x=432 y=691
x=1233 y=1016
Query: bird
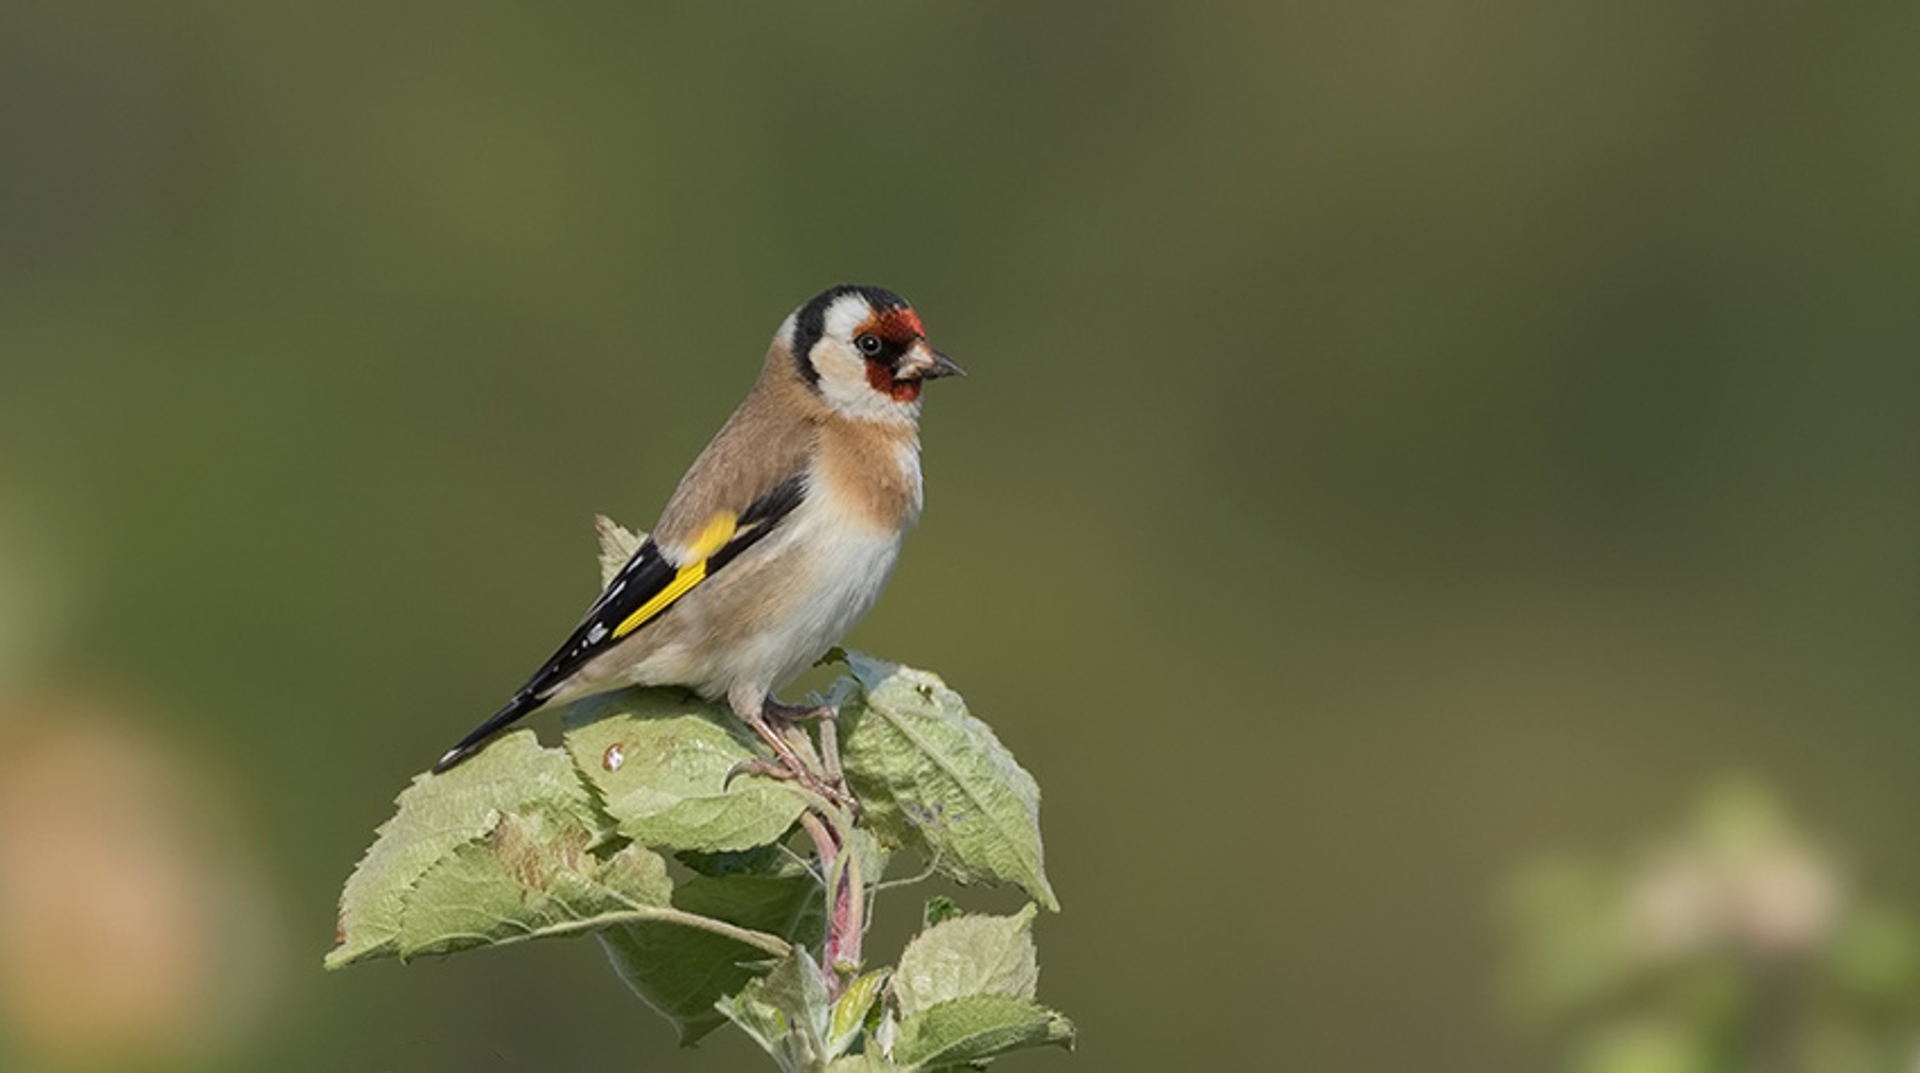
x=778 y=539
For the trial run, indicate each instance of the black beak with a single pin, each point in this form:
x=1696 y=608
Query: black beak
x=941 y=366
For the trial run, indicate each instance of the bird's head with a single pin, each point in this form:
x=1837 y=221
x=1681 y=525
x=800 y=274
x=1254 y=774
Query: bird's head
x=864 y=351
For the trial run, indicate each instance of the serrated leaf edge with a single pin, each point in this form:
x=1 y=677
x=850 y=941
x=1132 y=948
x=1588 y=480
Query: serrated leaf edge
x=1036 y=860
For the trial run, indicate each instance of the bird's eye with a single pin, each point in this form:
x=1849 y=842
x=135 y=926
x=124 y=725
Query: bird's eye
x=868 y=343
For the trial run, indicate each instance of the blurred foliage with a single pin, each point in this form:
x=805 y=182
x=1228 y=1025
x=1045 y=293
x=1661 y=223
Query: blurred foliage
x=1736 y=944
x=1400 y=438
x=136 y=929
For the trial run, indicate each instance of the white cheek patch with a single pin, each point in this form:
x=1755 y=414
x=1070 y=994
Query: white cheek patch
x=843 y=383
x=837 y=366
x=862 y=403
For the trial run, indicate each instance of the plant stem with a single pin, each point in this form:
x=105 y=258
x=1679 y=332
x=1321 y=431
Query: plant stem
x=830 y=751
x=830 y=827
x=824 y=842
x=772 y=944
x=833 y=846
x=856 y=902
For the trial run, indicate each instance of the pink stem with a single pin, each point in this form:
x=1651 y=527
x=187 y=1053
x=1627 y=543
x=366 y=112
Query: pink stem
x=843 y=904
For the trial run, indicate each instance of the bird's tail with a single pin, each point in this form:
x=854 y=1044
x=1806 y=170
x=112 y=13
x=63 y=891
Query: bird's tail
x=523 y=702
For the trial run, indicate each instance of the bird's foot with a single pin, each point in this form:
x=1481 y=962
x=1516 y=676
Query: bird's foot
x=778 y=727
x=834 y=792
x=769 y=769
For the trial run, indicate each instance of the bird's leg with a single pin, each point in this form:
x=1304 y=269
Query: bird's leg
x=789 y=766
x=768 y=718
x=789 y=716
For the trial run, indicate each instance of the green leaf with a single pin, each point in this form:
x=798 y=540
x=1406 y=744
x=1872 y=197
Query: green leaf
x=964 y=992
x=931 y=776
x=766 y=1025
x=796 y=987
x=439 y=814
x=531 y=877
x=660 y=763
x=864 y=1063
x=967 y=956
x=850 y=1010
x=975 y=1028
x=683 y=972
x=938 y=908
x=787 y=1012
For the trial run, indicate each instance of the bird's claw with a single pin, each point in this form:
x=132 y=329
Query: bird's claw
x=834 y=792
x=757 y=766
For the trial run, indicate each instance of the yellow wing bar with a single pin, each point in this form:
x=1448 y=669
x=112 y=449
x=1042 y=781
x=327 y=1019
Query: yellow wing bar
x=710 y=539
x=687 y=578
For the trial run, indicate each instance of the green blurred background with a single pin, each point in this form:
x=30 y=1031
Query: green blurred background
x=1404 y=439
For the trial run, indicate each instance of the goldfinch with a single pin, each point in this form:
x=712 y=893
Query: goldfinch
x=778 y=539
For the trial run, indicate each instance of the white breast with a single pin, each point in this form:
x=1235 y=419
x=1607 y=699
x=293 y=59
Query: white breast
x=835 y=571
